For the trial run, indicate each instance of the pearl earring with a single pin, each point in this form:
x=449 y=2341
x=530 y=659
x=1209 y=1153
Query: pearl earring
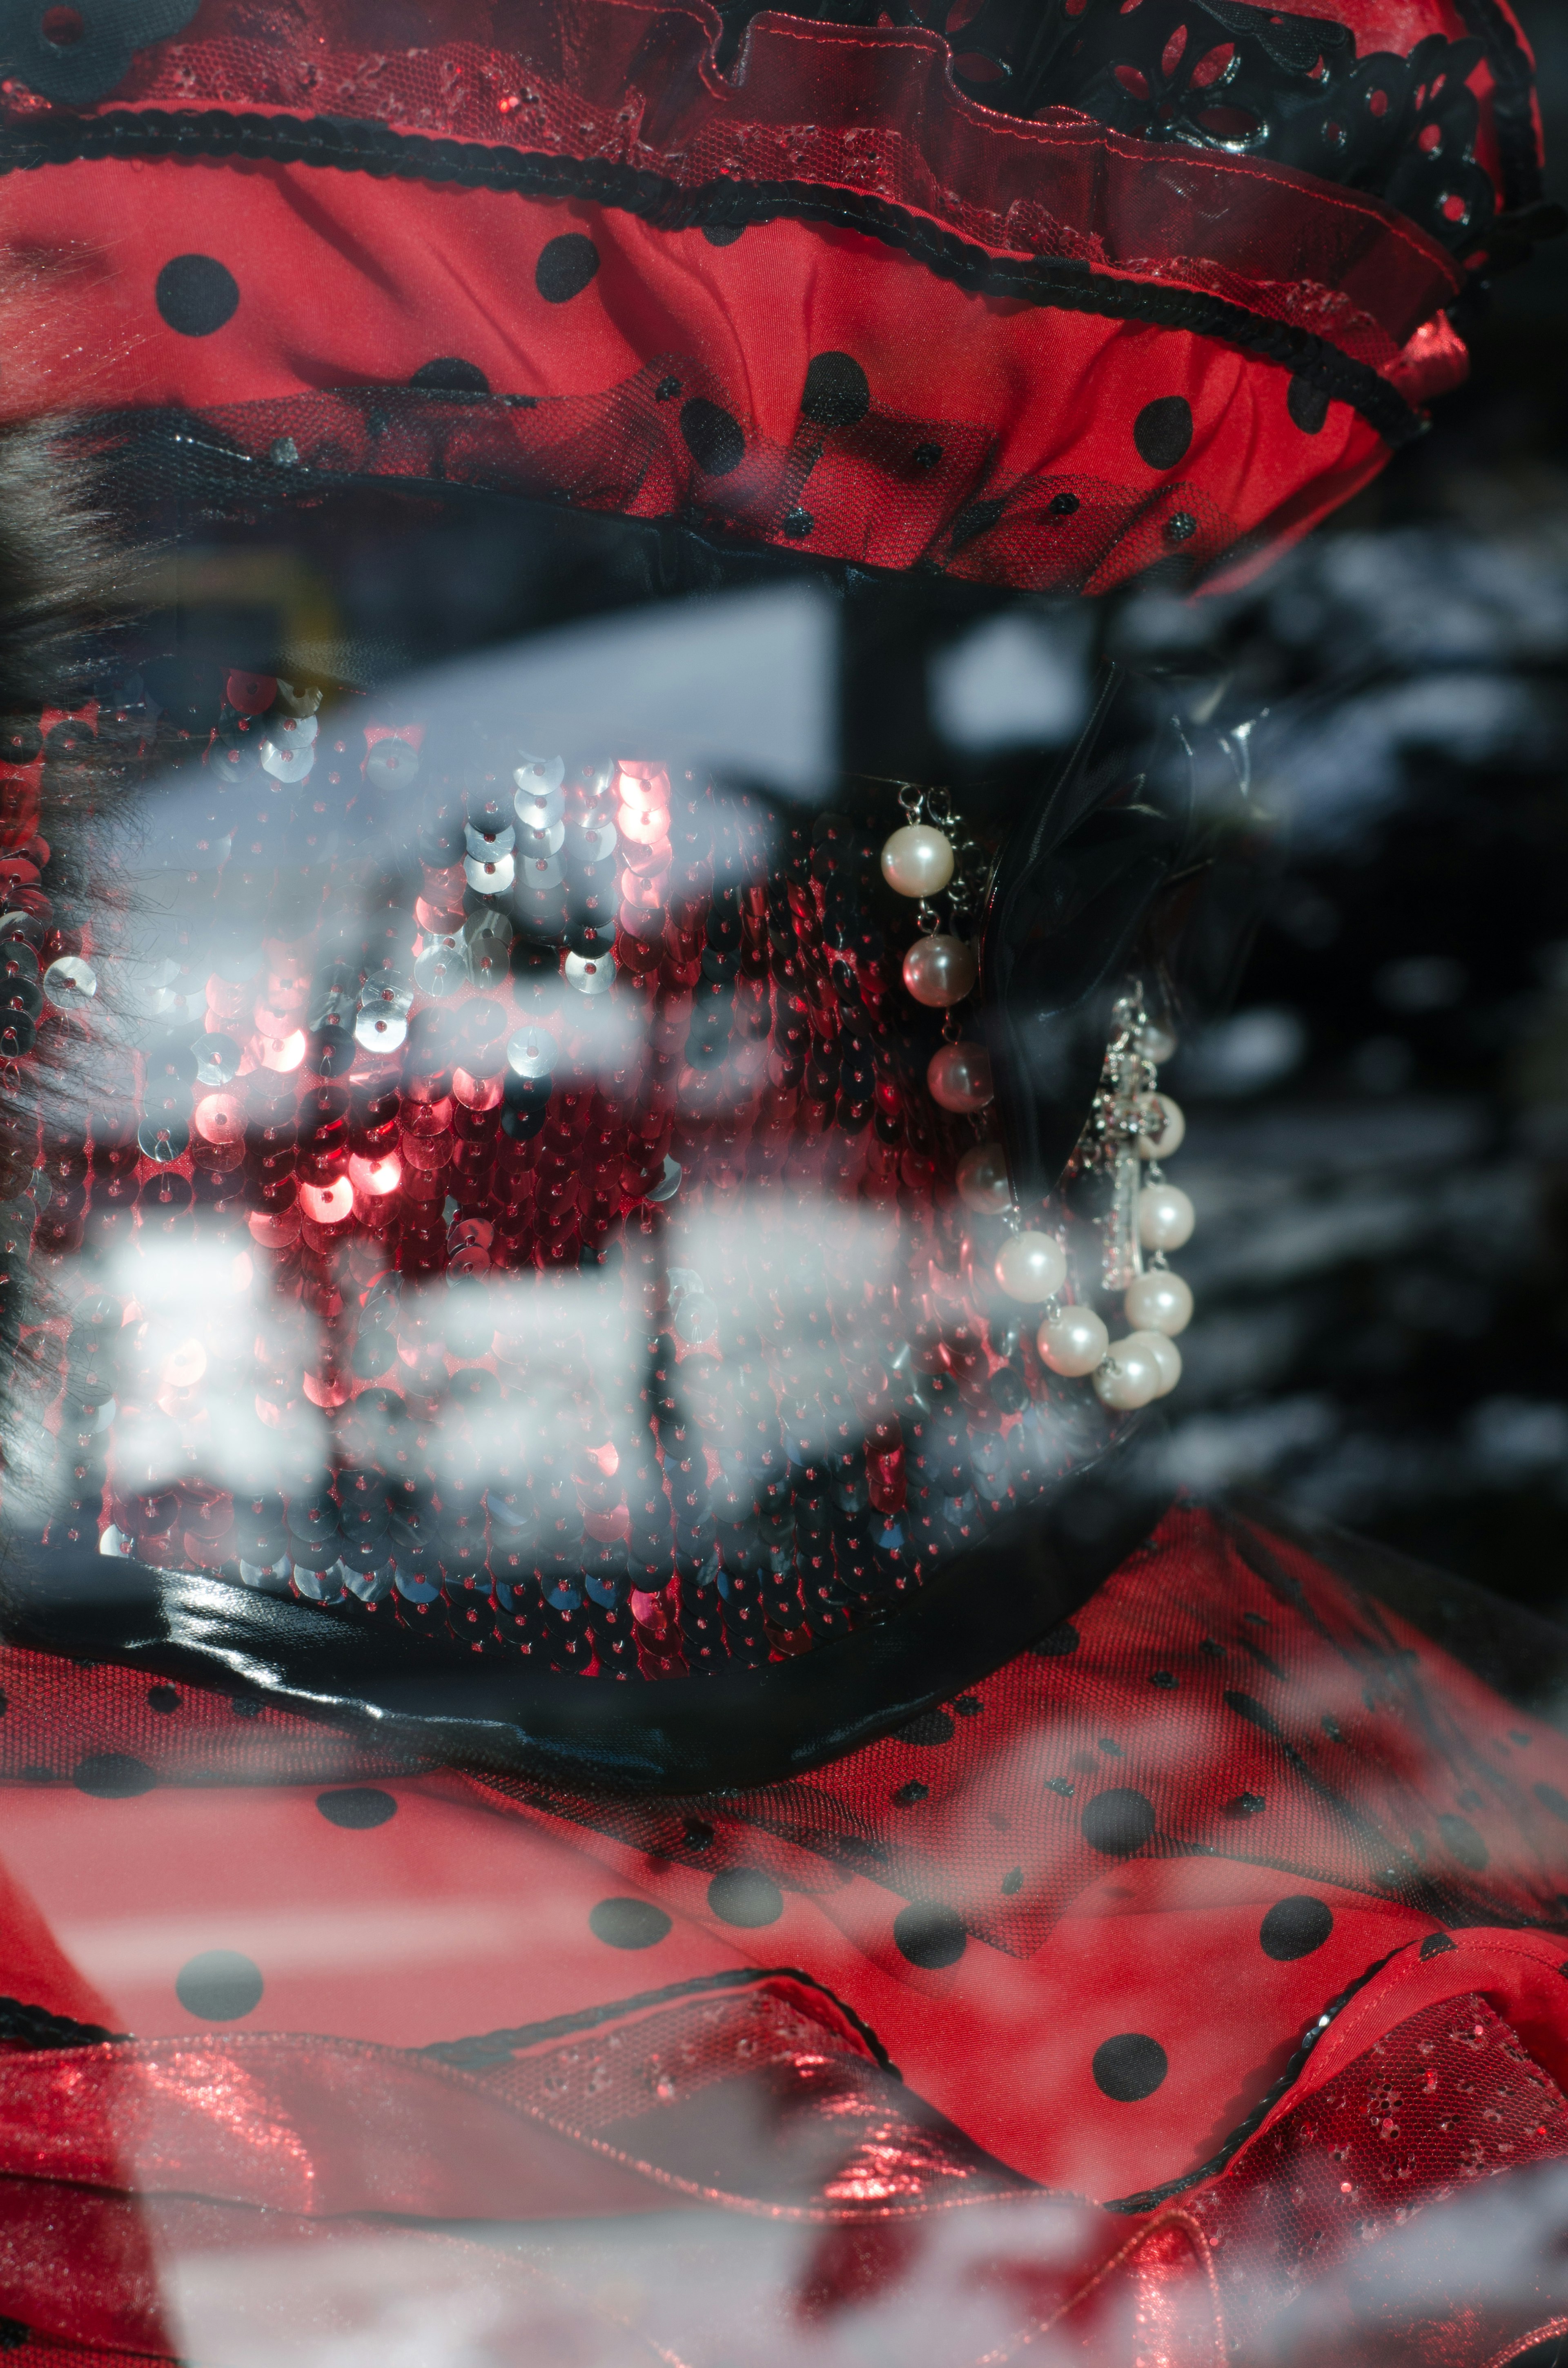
x=1133 y=1126
x=924 y=860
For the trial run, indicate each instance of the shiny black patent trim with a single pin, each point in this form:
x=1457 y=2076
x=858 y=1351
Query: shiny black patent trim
x=654 y=197
x=438 y=1704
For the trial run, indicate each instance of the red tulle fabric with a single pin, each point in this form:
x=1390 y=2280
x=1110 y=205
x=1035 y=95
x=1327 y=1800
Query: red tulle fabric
x=683 y=2108
x=997 y=436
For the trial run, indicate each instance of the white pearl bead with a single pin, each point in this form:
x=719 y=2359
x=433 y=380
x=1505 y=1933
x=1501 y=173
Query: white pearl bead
x=1164 y=1217
x=1159 y=1301
x=1073 y=1342
x=1031 y=1267
x=1156 y=1043
x=1166 y=1356
x=939 y=971
x=981 y=1179
x=918 y=860
x=1130 y=1376
x=958 y=1077
x=1158 y=1141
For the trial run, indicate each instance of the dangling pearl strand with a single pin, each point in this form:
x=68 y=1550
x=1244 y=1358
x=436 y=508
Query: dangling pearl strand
x=1134 y=1118
x=939 y=969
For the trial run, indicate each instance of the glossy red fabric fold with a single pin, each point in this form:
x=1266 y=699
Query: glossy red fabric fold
x=1421 y=2126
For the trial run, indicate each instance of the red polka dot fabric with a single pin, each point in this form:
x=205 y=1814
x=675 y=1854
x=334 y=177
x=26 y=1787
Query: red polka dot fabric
x=832 y=305
x=1228 y=1778
x=1234 y=1906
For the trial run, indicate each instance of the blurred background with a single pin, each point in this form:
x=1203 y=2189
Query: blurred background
x=1378 y=1142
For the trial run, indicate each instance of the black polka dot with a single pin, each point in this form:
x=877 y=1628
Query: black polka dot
x=1295 y=1928
x=722 y=234
x=908 y=1794
x=1245 y=1804
x=1060 y=1640
x=113 y=1776
x=628 y=1923
x=1307 y=404
x=838 y=393
x=1118 y=1823
x=1013 y=1881
x=969 y=1706
x=932 y=1726
x=797 y=524
x=449 y=374
x=1130 y=2066
x=1550 y=1798
x=744 y=1895
x=565 y=267
x=926 y=456
x=1463 y=1842
x=665 y=389
x=162 y=1697
x=713 y=437
x=1165 y=1677
x=357 y=1807
x=1062 y=504
x=1181 y=527
x=930 y=1935
x=220 y=1985
x=197 y=294
x=1163 y=432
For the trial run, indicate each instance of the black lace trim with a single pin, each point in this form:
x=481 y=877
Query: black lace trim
x=1222 y=74
x=373 y=148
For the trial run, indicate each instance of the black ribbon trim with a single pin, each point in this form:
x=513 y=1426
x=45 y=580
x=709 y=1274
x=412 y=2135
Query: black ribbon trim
x=431 y=1699
x=492 y=2047
x=654 y=197
x=1153 y=2197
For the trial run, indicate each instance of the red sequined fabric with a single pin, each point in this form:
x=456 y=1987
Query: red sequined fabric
x=542 y=1237
x=1299 y=2018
